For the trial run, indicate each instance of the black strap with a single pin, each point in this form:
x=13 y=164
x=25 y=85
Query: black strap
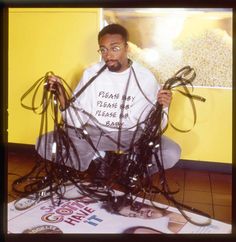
x=87 y=84
x=182 y=78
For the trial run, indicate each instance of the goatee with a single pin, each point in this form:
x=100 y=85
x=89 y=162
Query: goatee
x=115 y=68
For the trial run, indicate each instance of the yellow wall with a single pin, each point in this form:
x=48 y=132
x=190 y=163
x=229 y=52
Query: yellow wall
x=65 y=41
x=40 y=40
x=211 y=137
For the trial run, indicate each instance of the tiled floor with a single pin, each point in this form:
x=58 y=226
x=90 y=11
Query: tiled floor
x=208 y=191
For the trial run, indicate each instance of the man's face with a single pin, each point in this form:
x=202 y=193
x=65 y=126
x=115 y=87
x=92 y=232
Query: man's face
x=113 y=49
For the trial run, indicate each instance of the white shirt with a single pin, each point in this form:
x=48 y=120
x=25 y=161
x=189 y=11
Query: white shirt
x=102 y=101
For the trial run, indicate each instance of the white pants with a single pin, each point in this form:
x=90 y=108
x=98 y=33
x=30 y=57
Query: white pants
x=83 y=152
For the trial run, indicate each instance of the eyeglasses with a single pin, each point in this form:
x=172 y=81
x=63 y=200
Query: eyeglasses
x=113 y=49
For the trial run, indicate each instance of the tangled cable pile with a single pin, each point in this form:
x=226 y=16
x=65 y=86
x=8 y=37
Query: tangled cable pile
x=127 y=172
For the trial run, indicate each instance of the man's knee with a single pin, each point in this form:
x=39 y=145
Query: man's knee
x=171 y=153
x=43 y=146
x=176 y=153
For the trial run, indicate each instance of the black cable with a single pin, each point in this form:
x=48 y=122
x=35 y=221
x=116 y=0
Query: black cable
x=133 y=175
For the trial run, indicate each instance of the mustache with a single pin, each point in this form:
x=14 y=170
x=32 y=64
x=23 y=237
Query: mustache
x=110 y=61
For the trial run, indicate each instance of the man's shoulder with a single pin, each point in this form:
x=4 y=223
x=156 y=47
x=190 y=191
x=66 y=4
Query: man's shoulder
x=94 y=68
x=139 y=68
x=144 y=73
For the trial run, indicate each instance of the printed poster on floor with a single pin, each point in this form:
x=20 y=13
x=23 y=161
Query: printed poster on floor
x=81 y=216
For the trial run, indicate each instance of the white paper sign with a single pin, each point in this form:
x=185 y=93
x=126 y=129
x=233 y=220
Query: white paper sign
x=78 y=217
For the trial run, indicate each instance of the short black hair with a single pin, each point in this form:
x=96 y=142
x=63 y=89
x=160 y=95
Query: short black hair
x=114 y=29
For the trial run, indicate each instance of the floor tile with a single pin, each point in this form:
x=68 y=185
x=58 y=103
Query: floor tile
x=206 y=208
x=175 y=173
x=173 y=183
x=198 y=197
x=209 y=192
x=22 y=169
x=221 y=183
x=223 y=213
x=222 y=199
x=197 y=181
x=175 y=179
x=13 y=163
x=161 y=199
x=179 y=196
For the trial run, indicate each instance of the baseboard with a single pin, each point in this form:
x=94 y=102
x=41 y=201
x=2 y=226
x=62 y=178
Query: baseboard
x=14 y=147
x=205 y=166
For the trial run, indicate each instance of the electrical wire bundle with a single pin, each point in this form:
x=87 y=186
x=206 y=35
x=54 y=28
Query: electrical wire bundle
x=129 y=171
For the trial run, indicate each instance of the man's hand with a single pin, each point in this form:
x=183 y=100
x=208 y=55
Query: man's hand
x=54 y=85
x=164 y=97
